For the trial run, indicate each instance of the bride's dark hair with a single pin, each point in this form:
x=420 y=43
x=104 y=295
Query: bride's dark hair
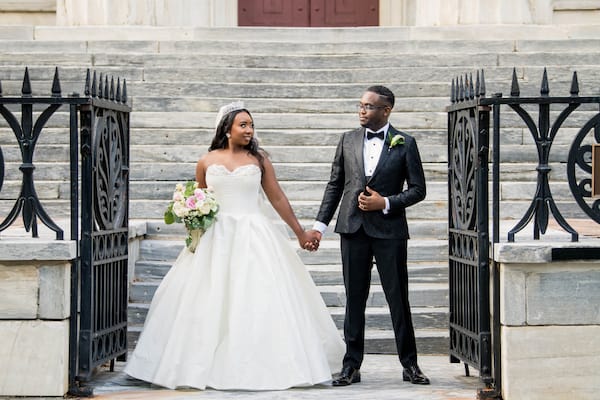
x=220 y=141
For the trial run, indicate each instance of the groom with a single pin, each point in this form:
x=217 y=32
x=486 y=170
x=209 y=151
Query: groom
x=368 y=175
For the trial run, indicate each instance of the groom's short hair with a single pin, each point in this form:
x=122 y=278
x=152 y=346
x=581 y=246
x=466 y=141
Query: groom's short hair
x=383 y=92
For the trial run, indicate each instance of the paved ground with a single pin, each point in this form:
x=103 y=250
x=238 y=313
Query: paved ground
x=381 y=380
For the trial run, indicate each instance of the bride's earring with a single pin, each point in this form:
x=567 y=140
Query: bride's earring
x=228 y=135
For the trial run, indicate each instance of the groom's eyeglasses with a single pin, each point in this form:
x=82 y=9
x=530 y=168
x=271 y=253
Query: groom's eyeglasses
x=368 y=107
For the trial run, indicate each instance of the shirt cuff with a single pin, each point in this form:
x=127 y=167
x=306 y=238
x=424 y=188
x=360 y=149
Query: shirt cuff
x=319 y=226
x=387 y=205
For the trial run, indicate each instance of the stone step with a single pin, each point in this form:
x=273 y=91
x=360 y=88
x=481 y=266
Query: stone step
x=322 y=274
x=511 y=173
x=328 y=253
x=419 y=229
x=299 y=35
x=420 y=294
x=313 y=191
x=295 y=190
x=274 y=89
x=426 y=210
x=244 y=46
x=377 y=318
x=429 y=341
x=148 y=154
x=307 y=210
x=141 y=173
x=272 y=59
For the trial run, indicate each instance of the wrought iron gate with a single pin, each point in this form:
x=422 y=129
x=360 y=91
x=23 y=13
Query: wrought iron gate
x=468 y=148
x=104 y=224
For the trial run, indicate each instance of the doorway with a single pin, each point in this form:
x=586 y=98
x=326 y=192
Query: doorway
x=308 y=13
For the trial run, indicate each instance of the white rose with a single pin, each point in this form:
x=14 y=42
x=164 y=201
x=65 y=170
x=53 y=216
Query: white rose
x=205 y=208
x=180 y=210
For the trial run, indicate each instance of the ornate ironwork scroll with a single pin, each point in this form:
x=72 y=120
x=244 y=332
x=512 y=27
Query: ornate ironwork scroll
x=579 y=167
x=543 y=135
x=27 y=133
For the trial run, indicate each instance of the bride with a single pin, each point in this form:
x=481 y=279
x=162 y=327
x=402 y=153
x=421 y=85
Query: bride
x=241 y=312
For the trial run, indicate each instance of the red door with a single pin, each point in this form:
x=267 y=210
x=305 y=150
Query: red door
x=308 y=13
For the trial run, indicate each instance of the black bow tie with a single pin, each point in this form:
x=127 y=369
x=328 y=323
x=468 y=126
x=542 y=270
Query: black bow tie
x=371 y=135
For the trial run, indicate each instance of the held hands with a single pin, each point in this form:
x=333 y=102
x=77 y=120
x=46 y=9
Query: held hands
x=370 y=200
x=310 y=240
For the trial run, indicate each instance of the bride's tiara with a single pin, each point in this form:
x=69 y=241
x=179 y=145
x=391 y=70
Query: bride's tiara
x=226 y=109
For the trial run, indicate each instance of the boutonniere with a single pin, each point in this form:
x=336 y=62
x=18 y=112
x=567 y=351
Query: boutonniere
x=396 y=140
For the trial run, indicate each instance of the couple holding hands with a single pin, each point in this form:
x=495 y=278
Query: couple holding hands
x=242 y=311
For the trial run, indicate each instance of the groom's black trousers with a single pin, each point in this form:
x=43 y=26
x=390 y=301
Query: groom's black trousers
x=358 y=250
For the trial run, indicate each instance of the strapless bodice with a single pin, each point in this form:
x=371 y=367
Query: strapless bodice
x=237 y=191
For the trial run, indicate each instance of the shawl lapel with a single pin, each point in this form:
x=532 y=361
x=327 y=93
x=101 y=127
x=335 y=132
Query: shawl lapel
x=358 y=142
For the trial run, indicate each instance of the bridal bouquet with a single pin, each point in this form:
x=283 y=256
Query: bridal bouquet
x=193 y=206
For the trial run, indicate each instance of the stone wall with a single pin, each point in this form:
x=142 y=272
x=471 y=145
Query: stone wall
x=35 y=293
x=27 y=12
x=550 y=322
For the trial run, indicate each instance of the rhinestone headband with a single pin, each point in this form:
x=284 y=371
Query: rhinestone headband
x=226 y=109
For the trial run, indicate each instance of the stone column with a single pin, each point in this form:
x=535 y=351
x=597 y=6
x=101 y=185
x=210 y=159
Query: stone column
x=464 y=12
x=198 y=13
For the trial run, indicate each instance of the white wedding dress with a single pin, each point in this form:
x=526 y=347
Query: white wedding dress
x=242 y=312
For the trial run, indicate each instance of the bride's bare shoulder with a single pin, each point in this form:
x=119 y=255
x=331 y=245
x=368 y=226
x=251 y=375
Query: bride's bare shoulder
x=212 y=157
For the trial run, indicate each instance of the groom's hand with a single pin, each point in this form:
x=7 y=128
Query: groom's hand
x=314 y=239
x=370 y=200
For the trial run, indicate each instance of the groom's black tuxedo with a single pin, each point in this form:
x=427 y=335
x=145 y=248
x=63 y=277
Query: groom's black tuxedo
x=366 y=235
x=396 y=166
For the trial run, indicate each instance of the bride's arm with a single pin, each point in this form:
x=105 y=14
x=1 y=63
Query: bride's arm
x=201 y=172
x=281 y=204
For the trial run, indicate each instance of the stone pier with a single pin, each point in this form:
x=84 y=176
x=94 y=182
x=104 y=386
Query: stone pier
x=550 y=319
x=35 y=294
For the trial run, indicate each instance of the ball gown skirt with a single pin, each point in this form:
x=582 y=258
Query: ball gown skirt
x=242 y=312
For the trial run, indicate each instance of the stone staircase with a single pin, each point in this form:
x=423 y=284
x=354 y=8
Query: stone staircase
x=302 y=87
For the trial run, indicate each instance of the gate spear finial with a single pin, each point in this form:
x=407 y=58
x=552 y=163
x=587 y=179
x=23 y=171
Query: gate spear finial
x=545 y=88
x=86 y=89
x=514 y=88
x=482 y=91
x=94 y=85
x=574 y=85
x=124 y=95
x=56 y=84
x=26 y=89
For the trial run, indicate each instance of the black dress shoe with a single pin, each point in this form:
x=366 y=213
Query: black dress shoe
x=348 y=376
x=415 y=375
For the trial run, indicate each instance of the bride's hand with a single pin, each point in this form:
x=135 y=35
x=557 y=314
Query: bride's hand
x=310 y=240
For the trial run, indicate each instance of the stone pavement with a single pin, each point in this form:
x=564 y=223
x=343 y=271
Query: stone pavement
x=381 y=380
